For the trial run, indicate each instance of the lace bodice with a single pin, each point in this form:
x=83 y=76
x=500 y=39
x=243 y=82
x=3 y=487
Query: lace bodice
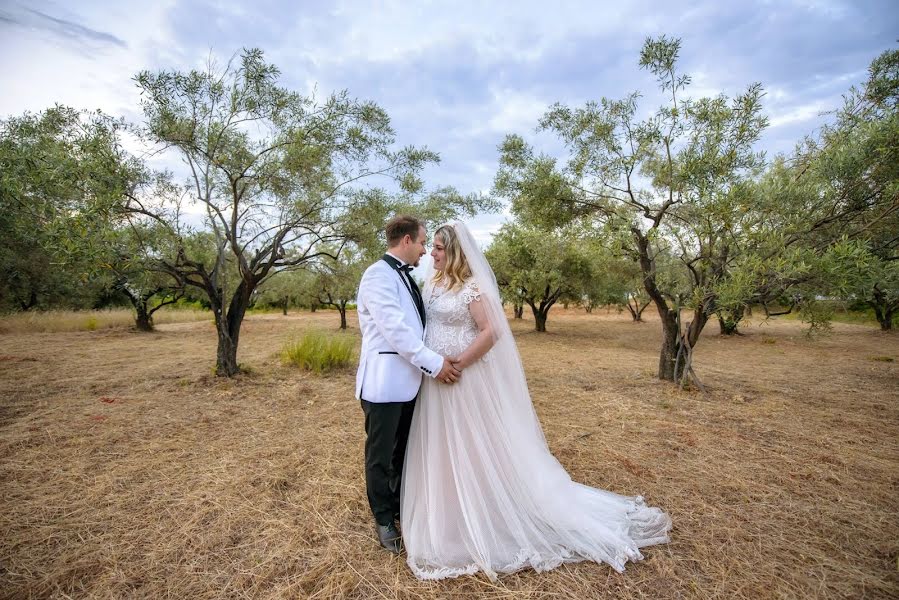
x=451 y=328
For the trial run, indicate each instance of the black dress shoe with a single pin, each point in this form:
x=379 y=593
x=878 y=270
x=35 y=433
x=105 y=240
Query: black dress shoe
x=389 y=537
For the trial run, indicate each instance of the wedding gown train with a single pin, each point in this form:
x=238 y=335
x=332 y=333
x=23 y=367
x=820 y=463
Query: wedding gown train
x=481 y=490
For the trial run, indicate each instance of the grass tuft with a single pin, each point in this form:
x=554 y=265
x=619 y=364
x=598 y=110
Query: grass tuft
x=319 y=352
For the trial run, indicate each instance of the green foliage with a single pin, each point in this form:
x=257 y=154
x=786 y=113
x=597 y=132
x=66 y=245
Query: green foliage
x=831 y=213
x=857 y=163
x=538 y=267
x=293 y=288
x=63 y=172
x=320 y=352
x=612 y=279
x=280 y=175
x=684 y=193
x=818 y=316
x=668 y=187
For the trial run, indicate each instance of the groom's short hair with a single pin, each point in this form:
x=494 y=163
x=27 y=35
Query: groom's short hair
x=400 y=226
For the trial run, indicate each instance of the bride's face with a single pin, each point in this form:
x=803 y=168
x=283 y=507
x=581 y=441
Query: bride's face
x=438 y=253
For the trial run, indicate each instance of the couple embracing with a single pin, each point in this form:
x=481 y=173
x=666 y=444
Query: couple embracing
x=455 y=454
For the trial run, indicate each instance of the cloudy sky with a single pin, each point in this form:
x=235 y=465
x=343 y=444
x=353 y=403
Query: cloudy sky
x=455 y=76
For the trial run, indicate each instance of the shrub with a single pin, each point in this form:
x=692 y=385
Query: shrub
x=317 y=351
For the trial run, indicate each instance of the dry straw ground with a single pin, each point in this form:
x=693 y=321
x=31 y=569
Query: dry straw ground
x=128 y=471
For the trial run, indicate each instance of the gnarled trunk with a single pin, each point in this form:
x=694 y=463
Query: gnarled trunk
x=729 y=321
x=144 y=320
x=226 y=355
x=670 y=346
x=727 y=326
x=228 y=329
x=143 y=315
x=540 y=311
x=636 y=309
x=30 y=303
x=883 y=309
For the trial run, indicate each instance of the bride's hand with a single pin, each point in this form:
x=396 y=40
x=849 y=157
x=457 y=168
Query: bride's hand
x=457 y=362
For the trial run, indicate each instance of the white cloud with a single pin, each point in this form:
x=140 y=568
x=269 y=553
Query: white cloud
x=40 y=67
x=397 y=30
x=515 y=111
x=800 y=114
x=478 y=70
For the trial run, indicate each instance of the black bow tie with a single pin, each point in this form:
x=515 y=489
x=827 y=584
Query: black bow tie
x=411 y=285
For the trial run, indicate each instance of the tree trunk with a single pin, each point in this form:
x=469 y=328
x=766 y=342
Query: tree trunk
x=640 y=310
x=670 y=346
x=540 y=314
x=342 y=308
x=32 y=300
x=725 y=327
x=700 y=318
x=636 y=310
x=884 y=315
x=630 y=309
x=518 y=310
x=226 y=356
x=284 y=305
x=883 y=309
x=670 y=367
x=228 y=327
x=729 y=321
x=143 y=321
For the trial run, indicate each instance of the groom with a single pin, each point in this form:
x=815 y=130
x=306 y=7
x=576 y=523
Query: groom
x=392 y=361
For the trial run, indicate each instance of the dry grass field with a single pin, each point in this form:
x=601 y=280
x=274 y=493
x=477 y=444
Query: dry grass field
x=128 y=471
x=57 y=321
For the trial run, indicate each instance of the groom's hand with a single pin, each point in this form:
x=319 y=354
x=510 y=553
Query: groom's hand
x=449 y=373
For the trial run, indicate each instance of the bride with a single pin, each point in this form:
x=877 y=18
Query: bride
x=480 y=489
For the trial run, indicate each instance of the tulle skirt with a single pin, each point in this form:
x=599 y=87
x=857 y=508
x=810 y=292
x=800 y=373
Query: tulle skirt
x=482 y=492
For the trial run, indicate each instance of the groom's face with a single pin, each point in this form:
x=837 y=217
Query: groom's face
x=413 y=250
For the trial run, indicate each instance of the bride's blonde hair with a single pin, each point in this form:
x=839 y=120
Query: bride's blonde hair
x=456 y=271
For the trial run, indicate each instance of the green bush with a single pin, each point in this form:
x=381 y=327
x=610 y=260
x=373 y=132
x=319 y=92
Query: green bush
x=319 y=352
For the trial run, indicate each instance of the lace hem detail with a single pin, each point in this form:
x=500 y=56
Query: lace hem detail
x=523 y=560
x=642 y=521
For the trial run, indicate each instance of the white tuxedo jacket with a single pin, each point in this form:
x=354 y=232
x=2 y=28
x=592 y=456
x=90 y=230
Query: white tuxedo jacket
x=393 y=358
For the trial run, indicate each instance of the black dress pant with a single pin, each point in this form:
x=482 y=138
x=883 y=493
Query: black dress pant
x=387 y=430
